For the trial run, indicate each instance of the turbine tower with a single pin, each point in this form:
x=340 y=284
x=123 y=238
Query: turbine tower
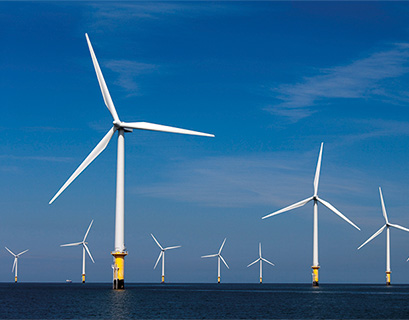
x=387 y=225
x=261 y=259
x=316 y=199
x=219 y=256
x=162 y=255
x=15 y=263
x=119 y=252
x=84 y=248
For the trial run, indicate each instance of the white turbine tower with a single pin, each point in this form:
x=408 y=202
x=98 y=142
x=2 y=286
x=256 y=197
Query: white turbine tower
x=261 y=259
x=314 y=197
x=15 y=263
x=162 y=255
x=219 y=256
x=84 y=248
x=121 y=127
x=387 y=225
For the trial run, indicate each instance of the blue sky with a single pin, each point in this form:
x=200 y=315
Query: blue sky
x=271 y=80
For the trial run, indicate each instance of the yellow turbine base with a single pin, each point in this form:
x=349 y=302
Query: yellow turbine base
x=83 y=278
x=119 y=273
x=315 y=275
x=261 y=280
x=218 y=279
x=388 y=278
x=163 y=279
x=15 y=279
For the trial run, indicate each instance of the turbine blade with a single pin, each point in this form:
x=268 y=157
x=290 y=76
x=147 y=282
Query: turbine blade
x=89 y=252
x=317 y=171
x=159 y=127
x=224 y=262
x=160 y=255
x=71 y=244
x=221 y=247
x=383 y=206
x=94 y=153
x=102 y=84
x=170 y=248
x=377 y=233
x=333 y=209
x=156 y=242
x=210 y=255
x=265 y=260
x=86 y=233
x=291 y=207
x=22 y=252
x=10 y=251
x=14 y=264
x=398 y=227
x=253 y=262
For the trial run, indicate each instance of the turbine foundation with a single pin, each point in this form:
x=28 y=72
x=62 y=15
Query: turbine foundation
x=163 y=279
x=315 y=276
x=218 y=279
x=119 y=273
x=261 y=280
x=15 y=279
x=83 y=278
x=388 y=278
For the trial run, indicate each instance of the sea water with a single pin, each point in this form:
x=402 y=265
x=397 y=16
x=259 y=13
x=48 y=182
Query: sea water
x=203 y=301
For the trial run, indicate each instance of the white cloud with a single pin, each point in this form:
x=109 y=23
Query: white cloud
x=363 y=78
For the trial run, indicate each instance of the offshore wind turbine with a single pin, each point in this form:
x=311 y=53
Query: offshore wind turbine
x=162 y=255
x=387 y=225
x=84 y=248
x=15 y=263
x=119 y=252
x=261 y=259
x=316 y=199
x=219 y=256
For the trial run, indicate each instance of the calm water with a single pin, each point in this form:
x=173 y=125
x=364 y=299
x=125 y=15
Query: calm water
x=202 y=301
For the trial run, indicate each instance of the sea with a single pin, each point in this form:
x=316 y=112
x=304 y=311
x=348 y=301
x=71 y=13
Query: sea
x=203 y=301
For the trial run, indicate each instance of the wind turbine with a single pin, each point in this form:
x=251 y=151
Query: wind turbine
x=15 y=263
x=121 y=127
x=261 y=259
x=387 y=225
x=314 y=197
x=84 y=248
x=162 y=255
x=219 y=256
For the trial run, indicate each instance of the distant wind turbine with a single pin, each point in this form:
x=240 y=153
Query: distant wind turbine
x=219 y=256
x=387 y=225
x=315 y=265
x=84 y=248
x=15 y=263
x=261 y=259
x=162 y=255
x=122 y=127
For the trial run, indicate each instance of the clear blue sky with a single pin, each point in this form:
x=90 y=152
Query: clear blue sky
x=271 y=80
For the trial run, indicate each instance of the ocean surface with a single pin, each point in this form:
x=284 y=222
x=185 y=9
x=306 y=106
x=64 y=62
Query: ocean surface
x=203 y=301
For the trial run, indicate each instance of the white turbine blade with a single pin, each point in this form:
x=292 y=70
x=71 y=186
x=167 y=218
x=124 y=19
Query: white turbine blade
x=253 y=262
x=156 y=242
x=86 y=233
x=221 y=247
x=160 y=255
x=291 y=207
x=159 y=127
x=22 y=252
x=210 y=255
x=259 y=249
x=102 y=84
x=333 y=209
x=377 y=233
x=89 y=252
x=71 y=244
x=317 y=171
x=14 y=264
x=94 y=153
x=10 y=251
x=383 y=206
x=398 y=227
x=265 y=260
x=170 y=248
x=224 y=262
